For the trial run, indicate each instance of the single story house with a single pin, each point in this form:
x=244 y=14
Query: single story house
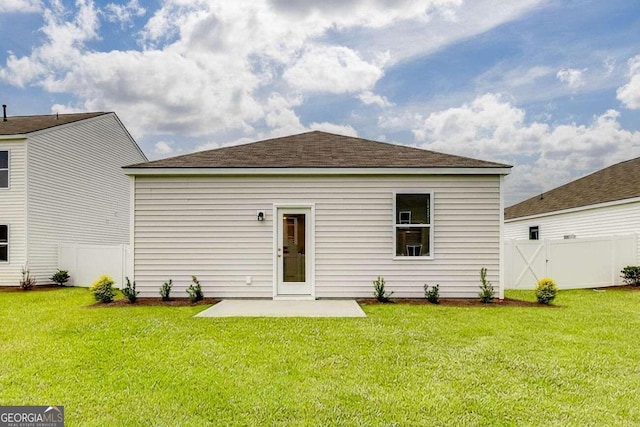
x=604 y=203
x=61 y=182
x=317 y=215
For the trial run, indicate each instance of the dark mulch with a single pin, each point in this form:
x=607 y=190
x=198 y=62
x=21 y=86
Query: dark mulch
x=458 y=302
x=36 y=288
x=173 y=302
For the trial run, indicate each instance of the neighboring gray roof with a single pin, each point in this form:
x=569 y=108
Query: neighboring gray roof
x=318 y=150
x=617 y=182
x=20 y=125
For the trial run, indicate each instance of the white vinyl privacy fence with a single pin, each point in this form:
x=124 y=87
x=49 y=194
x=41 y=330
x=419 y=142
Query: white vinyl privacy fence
x=86 y=263
x=572 y=263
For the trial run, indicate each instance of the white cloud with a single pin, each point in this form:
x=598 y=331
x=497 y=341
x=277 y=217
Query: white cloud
x=572 y=77
x=334 y=128
x=629 y=94
x=215 y=67
x=124 y=13
x=609 y=65
x=513 y=78
x=21 y=71
x=544 y=156
x=332 y=69
x=370 y=98
x=66 y=109
x=163 y=148
x=20 y=6
x=429 y=26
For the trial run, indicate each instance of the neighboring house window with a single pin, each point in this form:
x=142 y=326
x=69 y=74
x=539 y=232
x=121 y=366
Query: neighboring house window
x=4 y=243
x=534 y=233
x=4 y=169
x=413 y=224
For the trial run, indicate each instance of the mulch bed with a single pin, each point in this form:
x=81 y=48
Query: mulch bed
x=458 y=302
x=173 y=302
x=121 y=302
x=36 y=288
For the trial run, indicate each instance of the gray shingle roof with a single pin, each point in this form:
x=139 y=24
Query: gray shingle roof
x=318 y=150
x=20 y=125
x=617 y=182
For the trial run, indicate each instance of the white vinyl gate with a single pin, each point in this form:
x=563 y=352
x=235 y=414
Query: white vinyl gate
x=572 y=263
x=86 y=263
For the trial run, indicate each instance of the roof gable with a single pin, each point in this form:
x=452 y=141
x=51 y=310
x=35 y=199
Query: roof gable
x=318 y=150
x=618 y=182
x=20 y=125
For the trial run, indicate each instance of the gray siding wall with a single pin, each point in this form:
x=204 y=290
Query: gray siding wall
x=206 y=226
x=597 y=221
x=12 y=212
x=77 y=191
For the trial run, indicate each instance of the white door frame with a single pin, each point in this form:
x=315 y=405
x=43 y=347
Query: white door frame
x=310 y=249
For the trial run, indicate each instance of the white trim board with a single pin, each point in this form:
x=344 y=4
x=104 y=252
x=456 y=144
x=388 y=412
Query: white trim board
x=312 y=171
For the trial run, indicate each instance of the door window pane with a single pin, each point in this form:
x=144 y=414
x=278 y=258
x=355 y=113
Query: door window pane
x=293 y=250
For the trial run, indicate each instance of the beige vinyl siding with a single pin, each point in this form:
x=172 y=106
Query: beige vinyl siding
x=77 y=190
x=618 y=219
x=206 y=226
x=12 y=213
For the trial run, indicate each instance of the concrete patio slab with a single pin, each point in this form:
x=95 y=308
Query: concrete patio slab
x=284 y=308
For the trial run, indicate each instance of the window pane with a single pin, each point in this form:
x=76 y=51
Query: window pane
x=4 y=179
x=4 y=252
x=294 y=235
x=4 y=234
x=413 y=208
x=4 y=159
x=413 y=241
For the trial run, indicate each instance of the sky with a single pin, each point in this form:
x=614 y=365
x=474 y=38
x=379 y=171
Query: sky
x=550 y=87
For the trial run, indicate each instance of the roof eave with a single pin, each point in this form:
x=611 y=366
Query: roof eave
x=148 y=171
x=574 y=209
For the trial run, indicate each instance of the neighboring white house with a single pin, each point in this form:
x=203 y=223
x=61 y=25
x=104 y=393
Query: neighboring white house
x=61 y=183
x=317 y=215
x=597 y=216
x=604 y=203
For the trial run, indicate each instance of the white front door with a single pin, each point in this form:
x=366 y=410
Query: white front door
x=294 y=252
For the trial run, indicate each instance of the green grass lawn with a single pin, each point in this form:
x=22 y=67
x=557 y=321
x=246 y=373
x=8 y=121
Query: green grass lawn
x=404 y=365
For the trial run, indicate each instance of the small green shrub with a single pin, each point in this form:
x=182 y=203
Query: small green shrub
x=487 y=293
x=60 y=277
x=27 y=282
x=432 y=294
x=546 y=290
x=631 y=275
x=165 y=290
x=379 y=291
x=102 y=289
x=194 y=290
x=130 y=292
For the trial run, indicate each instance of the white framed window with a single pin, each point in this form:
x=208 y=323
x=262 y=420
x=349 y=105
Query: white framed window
x=534 y=232
x=4 y=169
x=4 y=243
x=412 y=225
